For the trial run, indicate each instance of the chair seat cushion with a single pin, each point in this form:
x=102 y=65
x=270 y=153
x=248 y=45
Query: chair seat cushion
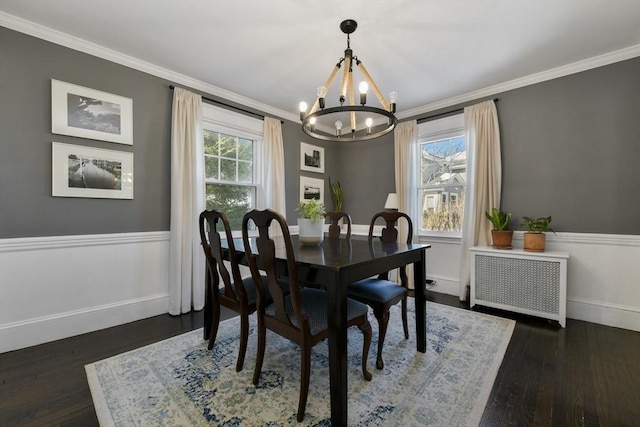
x=377 y=291
x=252 y=291
x=314 y=302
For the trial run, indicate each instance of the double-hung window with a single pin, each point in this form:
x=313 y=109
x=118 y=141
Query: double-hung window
x=443 y=176
x=231 y=163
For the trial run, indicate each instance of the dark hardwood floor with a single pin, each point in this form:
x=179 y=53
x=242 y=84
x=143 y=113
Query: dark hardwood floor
x=583 y=375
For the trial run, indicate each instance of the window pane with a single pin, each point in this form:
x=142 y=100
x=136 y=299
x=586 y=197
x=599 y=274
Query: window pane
x=211 y=167
x=211 y=142
x=442 y=209
x=443 y=161
x=245 y=149
x=245 y=172
x=233 y=200
x=227 y=170
x=228 y=146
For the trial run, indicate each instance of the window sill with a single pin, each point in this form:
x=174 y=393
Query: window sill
x=448 y=238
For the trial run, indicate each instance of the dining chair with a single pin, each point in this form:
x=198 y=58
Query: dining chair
x=334 y=225
x=379 y=292
x=299 y=316
x=237 y=294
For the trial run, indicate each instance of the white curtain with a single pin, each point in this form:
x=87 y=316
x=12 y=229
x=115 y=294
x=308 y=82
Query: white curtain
x=484 y=172
x=405 y=149
x=273 y=167
x=187 y=263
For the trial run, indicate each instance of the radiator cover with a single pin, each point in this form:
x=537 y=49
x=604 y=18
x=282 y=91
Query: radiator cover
x=519 y=281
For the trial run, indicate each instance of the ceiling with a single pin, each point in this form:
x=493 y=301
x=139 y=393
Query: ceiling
x=273 y=54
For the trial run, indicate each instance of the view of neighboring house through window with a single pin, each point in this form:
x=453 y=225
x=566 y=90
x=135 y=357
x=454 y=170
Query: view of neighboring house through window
x=230 y=171
x=443 y=176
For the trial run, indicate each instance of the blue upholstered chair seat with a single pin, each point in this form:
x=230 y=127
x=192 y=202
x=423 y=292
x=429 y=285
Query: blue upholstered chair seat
x=377 y=290
x=314 y=302
x=252 y=291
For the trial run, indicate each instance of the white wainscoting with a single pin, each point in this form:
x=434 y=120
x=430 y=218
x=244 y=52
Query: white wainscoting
x=57 y=287
x=603 y=279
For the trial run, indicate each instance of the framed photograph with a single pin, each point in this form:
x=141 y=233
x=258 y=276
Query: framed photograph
x=79 y=171
x=89 y=113
x=311 y=188
x=311 y=158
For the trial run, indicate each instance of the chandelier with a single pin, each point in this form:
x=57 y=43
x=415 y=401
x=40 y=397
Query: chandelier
x=363 y=122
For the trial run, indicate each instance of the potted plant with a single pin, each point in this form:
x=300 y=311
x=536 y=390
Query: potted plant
x=534 y=237
x=500 y=235
x=311 y=221
x=336 y=195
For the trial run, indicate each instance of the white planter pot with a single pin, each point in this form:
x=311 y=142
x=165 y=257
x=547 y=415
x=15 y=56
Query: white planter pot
x=310 y=232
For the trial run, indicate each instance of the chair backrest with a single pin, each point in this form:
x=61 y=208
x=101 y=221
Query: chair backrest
x=334 y=227
x=390 y=235
x=210 y=221
x=390 y=231
x=266 y=261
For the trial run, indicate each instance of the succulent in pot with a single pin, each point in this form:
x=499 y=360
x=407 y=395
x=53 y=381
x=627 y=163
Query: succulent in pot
x=500 y=235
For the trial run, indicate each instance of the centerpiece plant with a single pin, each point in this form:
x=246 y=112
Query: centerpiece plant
x=311 y=221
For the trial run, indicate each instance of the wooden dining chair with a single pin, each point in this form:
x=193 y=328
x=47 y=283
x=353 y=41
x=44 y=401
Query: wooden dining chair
x=237 y=294
x=301 y=315
x=334 y=224
x=380 y=293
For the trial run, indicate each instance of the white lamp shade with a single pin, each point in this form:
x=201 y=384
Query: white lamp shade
x=392 y=201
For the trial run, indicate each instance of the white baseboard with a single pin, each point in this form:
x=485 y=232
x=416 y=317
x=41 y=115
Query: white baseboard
x=618 y=316
x=444 y=285
x=19 y=335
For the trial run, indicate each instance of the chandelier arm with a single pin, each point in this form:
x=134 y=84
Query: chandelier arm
x=316 y=104
x=345 y=76
x=373 y=86
x=352 y=102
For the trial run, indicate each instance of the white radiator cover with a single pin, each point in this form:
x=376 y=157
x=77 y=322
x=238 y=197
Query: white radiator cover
x=524 y=282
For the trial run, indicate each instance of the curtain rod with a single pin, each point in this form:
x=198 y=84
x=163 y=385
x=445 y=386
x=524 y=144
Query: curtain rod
x=446 y=113
x=232 y=107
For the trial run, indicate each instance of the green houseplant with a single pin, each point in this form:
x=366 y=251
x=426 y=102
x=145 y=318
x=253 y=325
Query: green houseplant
x=336 y=195
x=311 y=221
x=500 y=235
x=534 y=237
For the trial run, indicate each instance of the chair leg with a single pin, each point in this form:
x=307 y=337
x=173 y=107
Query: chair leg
x=262 y=332
x=365 y=327
x=244 y=337
x=405 y=323
x=305 y=371
x=215 y=321
x=383 y=321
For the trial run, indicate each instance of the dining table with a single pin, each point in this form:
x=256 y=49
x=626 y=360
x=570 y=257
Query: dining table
x=334 y=264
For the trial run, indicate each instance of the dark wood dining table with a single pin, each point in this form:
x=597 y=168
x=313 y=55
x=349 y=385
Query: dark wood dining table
x=334 y=265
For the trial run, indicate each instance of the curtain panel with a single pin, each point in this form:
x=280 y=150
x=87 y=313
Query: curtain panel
x=187 y=263
x=484 y=167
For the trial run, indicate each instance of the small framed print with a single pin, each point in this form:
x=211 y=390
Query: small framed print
x=311 y=188
x=311 y=158
x=79 y=171
x=89 y=113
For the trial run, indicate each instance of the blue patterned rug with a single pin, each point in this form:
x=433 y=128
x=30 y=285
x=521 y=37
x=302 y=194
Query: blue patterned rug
x=179 y=382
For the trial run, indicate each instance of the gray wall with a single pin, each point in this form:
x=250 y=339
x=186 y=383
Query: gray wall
x=570 y=149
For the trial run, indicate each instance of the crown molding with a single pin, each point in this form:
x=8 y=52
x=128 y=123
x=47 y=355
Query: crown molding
x=554 y=73
x=27 y=27
x=63 y=39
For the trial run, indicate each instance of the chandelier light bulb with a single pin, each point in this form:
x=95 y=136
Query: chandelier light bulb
x=369 y=122
x=322 y=92
x=303 y=109
x=393 y=97
x=364 y=87
x=338 y=127
x=312 y=123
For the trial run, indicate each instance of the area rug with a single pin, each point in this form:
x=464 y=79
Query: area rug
x=178 y=382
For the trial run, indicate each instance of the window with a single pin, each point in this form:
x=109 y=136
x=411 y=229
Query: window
x=230 y=145
x=443 y=176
